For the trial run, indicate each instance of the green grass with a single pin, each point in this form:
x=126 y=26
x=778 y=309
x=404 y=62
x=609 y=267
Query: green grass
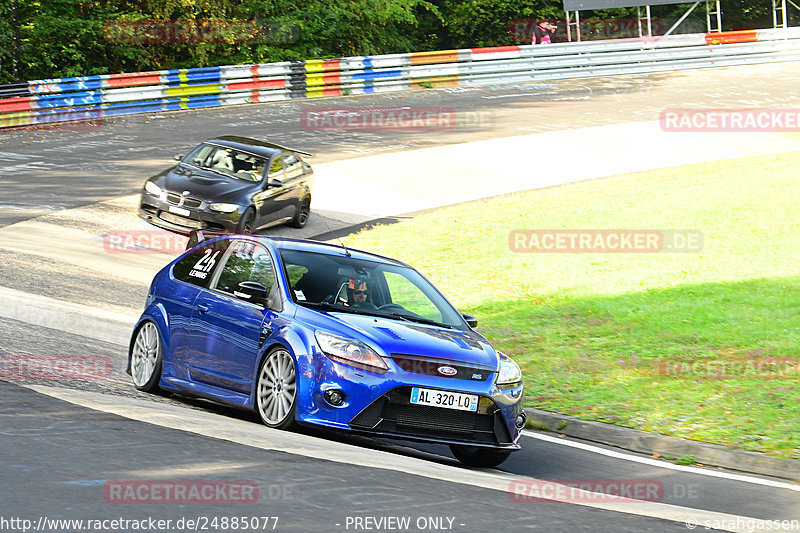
x=599 y=336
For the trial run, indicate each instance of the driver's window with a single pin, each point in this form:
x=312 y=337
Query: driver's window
x=276 y=169
x=247 y=261
x=294 y=167
x=403 y=292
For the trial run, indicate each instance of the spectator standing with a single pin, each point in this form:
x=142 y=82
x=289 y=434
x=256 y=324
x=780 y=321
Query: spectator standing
x=542 y=33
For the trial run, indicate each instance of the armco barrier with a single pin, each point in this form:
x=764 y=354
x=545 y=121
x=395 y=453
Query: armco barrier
x=57 y=100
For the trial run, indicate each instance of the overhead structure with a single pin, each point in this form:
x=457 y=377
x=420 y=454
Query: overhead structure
x=779 y=16
x=713 y=13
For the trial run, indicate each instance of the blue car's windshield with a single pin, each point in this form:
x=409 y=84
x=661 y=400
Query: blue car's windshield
x=366 y=287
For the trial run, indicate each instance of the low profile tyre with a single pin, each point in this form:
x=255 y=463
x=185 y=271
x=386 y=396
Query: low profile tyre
x=301 y=216
x=478 y=456
x=146 y=358
x=246 y=222
x=276 y=390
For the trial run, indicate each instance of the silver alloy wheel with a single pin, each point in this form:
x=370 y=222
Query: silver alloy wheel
x=276 y=388
x=144 y=356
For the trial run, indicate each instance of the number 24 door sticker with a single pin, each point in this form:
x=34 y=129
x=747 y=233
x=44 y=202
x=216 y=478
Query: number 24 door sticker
x=205 y=264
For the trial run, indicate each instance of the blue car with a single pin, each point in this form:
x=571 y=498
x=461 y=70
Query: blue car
x=318 y=334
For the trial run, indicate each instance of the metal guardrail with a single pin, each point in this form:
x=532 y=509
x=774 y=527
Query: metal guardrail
x=91 y=97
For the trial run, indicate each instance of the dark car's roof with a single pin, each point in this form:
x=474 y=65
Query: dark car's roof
x=246 y=144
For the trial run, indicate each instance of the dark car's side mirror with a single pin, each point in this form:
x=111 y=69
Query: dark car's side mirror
x=253 y=292
x=471 y=320
x=177 y=158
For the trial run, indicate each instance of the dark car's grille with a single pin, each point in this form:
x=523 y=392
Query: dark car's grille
x=175 y=199
x=180 y=221
x=392 y=414
x=425 y=365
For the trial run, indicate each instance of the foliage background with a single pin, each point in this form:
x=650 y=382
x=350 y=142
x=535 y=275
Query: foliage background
x=62 y=38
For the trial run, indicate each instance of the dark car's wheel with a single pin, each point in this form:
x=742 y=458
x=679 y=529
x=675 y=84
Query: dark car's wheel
x=246 y=222
x=146 y=358
x=301 y=216
x=276 y=391
x=478 y=456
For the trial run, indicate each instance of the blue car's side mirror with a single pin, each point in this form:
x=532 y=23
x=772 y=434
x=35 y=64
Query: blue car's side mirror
x=471 y=320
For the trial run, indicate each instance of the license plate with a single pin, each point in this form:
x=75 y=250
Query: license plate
x=448 y=400
x=179 y=211
x=180 y=221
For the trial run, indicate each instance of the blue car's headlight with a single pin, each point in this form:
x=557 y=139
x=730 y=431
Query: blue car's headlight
x=350 y=352
x=509 y=371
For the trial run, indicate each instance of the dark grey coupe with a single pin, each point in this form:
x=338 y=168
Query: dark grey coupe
x=230 y=183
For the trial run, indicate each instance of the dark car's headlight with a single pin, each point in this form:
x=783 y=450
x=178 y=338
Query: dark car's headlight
x=224 y=208
x=350 y=352
x=509 y=371
x=152 y=188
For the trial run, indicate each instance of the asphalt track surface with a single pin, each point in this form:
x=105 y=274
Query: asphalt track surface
x=59 y=456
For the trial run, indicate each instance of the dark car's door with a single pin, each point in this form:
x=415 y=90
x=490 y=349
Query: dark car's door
x=228 y=331
x=271 y=202
x=192 y=274
x=296 y=178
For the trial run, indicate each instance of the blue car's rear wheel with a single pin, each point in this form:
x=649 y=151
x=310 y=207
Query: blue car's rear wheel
x=146 y=358
x=479 y=456
x=276 y=390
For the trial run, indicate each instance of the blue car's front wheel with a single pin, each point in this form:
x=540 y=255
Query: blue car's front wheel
x=276 y=389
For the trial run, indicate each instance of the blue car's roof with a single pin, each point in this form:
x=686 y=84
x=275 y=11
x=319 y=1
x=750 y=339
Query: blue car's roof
x=305 y=245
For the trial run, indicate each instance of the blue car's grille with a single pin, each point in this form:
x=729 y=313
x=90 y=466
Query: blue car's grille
x=424 y=365
x=392 y=414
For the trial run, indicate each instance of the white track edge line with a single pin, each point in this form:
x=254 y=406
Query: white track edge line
x=662 y=464
x=178 y=418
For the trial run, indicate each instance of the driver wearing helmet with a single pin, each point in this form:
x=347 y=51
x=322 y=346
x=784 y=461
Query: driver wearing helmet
x=357 y=293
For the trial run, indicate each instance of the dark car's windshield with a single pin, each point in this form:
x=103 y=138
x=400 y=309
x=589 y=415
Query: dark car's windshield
x=365 y=287
x=226 y=161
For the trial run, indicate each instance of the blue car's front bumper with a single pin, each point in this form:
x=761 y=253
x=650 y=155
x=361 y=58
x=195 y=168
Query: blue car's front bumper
x=379 y=404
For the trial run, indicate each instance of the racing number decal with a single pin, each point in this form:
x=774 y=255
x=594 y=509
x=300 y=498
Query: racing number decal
x=204 y=265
